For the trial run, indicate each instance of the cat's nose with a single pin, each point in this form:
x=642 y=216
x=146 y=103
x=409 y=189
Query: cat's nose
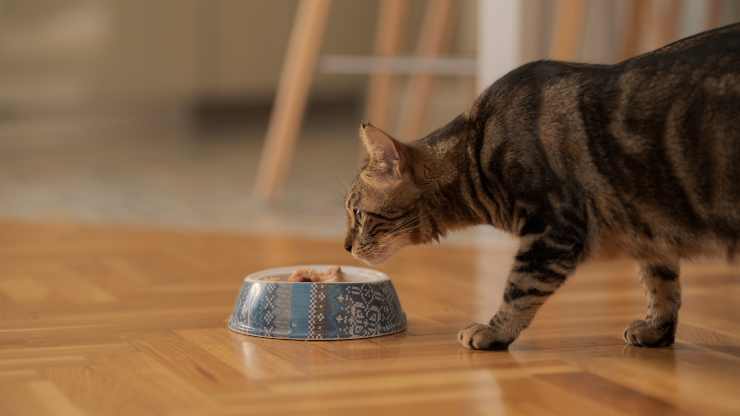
x=348 y=247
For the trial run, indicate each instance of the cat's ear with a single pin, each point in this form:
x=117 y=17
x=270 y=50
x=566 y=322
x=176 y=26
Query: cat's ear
x=387 y=155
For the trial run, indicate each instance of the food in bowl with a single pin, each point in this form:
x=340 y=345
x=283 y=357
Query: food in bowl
x=332 y=274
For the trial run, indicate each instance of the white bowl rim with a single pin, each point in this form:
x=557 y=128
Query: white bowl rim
x=369 y=275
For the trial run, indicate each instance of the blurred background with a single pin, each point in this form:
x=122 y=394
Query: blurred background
x=157 y=112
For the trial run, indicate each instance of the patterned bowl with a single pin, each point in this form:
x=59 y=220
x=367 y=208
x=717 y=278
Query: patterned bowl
x=364 y=305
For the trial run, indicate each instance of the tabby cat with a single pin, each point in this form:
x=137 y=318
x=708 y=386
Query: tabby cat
x=644 y=153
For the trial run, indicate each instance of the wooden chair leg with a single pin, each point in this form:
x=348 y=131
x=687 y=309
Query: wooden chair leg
x=668 y=22
x=293 y=88
x=433 y=39
x=568 y=29
x=639 y=10
x=387 y=43
x=714 y=13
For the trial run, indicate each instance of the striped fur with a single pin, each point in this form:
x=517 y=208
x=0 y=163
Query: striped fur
x=644 y=154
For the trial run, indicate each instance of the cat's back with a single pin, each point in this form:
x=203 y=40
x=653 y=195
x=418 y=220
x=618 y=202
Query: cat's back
x=723 y=41
x=708 y=61
x=652 y=142
x=661 y=130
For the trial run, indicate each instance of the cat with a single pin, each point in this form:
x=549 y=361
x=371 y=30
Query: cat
x=644 y=153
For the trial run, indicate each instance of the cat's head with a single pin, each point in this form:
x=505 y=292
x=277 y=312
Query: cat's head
x=383 y=210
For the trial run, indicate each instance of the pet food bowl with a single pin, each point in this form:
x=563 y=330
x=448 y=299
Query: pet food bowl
x=363 y=305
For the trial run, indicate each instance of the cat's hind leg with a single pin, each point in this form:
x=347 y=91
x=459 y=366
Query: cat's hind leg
x=663 y=288
x=542 y=264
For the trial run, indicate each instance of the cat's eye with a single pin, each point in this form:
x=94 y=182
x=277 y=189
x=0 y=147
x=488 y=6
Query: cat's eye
x=358 y=214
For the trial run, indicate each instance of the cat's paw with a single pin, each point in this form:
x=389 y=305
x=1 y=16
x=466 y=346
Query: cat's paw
x=482 y=337
x=643 y=333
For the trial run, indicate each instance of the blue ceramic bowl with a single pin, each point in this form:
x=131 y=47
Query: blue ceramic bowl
x=364 y=305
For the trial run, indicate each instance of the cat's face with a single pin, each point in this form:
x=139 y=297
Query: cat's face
x=382 y=205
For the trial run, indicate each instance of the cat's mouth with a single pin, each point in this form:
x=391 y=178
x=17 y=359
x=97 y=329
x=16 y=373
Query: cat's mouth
x=380 y=252
x=372 y=259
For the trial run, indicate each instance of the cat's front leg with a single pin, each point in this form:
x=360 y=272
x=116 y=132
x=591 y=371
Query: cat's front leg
x=663 y=288
x=542 y=264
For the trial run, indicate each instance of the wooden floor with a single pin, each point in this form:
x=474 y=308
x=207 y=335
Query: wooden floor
x=111 y=320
